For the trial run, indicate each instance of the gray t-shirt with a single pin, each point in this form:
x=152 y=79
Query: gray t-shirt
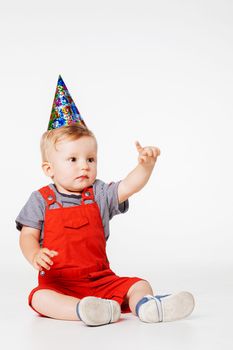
x=32 y=214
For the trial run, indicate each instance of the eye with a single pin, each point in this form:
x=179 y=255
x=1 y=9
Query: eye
x=91 y=160
x=72 y=159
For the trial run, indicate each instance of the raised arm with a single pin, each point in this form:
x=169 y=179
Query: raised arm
x=139 y=176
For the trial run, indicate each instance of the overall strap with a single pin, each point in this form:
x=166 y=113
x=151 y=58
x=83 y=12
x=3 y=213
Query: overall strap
x=87 y=194
x=49 y=196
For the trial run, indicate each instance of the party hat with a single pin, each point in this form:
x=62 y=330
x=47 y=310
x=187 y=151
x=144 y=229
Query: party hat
x=64 y=111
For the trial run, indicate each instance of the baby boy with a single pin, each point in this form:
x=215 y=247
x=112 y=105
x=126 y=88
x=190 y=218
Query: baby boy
x=65 y=225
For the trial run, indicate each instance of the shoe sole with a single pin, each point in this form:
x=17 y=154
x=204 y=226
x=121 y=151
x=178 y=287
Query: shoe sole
x=177 y=306
x=173 y=307
x=97 y=311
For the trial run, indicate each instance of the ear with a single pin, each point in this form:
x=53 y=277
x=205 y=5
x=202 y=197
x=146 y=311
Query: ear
x=47 y=169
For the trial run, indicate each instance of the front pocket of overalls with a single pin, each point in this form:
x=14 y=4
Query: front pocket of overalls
x=76 y=223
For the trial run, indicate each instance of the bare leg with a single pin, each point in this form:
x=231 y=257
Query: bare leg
x=136 y=292
x=55 y=305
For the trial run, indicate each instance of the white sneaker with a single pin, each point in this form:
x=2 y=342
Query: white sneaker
x=164 y=308
x=95 y=311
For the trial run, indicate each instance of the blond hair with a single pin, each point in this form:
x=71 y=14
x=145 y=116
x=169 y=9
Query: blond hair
x=52 y=137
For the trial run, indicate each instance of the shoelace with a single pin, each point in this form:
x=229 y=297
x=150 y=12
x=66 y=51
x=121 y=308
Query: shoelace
x=159 y=304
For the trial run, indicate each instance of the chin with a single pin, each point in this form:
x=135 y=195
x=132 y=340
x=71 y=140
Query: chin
x=84 y=185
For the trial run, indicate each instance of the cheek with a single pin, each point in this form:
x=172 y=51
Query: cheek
x=94 y=171
x=63 y=171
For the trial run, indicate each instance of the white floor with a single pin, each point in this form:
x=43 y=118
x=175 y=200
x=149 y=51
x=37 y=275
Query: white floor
x=209 y=327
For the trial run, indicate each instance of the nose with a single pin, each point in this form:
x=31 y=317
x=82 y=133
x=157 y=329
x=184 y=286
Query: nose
x=84 y=165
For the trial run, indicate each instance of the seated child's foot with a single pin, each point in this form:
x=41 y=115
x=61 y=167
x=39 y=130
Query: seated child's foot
x=163 y=308
x=97 y=311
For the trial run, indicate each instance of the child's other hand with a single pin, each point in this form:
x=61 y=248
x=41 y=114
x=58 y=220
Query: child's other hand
x=147 y=155
x=42 y=259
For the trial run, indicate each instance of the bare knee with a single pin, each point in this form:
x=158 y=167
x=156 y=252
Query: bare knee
x=39 y=298
x=140 y=286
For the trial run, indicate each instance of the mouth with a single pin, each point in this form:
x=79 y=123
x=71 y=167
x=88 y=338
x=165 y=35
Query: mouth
x=83 y=177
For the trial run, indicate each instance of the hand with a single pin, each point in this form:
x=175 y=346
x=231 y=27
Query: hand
x=42 y=259
x=147 y=155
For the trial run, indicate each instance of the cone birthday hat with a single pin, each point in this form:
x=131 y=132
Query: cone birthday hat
x=64 y=111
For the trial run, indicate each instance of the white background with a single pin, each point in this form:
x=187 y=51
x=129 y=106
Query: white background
x=160 y=72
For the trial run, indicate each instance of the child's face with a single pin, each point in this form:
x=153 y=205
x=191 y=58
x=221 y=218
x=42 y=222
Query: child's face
x=73 y=164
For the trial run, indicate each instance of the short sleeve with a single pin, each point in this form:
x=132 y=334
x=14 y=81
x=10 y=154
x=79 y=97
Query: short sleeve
x=108 y=195
x=32 y=214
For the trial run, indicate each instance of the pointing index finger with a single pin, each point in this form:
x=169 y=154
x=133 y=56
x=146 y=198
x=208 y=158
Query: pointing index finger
x=139 y=147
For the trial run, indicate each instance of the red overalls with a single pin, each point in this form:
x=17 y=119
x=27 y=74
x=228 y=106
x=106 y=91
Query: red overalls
x=81 y=268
